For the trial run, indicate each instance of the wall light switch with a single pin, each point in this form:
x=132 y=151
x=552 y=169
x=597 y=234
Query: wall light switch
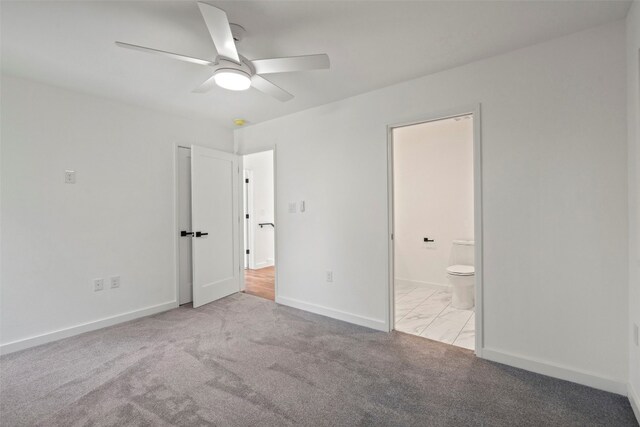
x=98 y=284
x=69 y=177
x=292 y=207
x=329 y=276
x=302 y=206
x=115 y=281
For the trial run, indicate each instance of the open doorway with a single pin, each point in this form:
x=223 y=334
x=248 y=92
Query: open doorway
x=259 y=224
x=435 y=242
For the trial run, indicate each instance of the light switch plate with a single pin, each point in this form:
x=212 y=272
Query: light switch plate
x=292 y=207
x=69 y=177
x=302 y=206
x=115 y=281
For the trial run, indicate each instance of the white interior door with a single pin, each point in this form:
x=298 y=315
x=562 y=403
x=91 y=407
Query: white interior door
x=214 y=220
x=184 y=225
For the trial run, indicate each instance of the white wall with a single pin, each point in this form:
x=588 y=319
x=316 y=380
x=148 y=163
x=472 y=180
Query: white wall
x=118 y=219
x=261 y=164
x=555 y=201
x=633 y=122
x=433 y=197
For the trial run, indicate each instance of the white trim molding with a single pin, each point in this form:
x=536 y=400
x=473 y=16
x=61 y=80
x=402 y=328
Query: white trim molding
x=356 y=319
x=634 y=400
x=475 y=111
x=263 y=264
x=25 y=343
x=241 y=240
x=556 y=371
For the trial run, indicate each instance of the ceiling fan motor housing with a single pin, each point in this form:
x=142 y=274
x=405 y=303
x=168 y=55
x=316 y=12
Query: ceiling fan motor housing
x=226 y=63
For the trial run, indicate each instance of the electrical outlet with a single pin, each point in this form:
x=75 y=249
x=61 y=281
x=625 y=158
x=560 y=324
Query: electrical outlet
x=329 y=276
x=635 y=334
x=98 y=284
x=115 y=281
x=69 y=177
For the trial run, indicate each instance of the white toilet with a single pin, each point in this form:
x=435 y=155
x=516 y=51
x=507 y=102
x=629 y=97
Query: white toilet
x=461 y=274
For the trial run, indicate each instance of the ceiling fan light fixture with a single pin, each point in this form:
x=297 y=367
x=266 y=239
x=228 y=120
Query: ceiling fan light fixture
x=228 y=78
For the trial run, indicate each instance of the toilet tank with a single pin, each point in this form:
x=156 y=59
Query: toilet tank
x=462 y=252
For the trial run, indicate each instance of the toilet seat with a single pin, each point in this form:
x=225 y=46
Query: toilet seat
x=461 y=270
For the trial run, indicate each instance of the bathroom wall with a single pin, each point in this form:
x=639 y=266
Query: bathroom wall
x=433 y=197
x=261 y=164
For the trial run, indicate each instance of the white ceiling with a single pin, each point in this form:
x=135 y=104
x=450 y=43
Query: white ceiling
x=371 y=44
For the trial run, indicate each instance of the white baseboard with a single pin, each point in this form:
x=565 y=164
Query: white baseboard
x=557 y=371
x=634 y=399
x=263 y=264
x=421 y=283
x=335 y=314
x=24 y=343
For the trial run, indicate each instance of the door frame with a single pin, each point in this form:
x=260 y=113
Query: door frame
x=474 y=110
x=176 y=215
x=248 y=239
x=275 y=211
x=176 y=218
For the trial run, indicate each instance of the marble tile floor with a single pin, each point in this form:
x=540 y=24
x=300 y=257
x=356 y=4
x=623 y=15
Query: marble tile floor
x=426 y=311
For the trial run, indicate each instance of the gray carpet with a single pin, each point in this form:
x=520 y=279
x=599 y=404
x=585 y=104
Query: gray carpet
x=245 y=361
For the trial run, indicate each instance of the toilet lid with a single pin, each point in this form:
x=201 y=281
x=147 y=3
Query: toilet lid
x=461 y=270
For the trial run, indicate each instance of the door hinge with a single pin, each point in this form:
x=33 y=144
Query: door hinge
x=246 y=180
x=247 y=216
x=247 y=251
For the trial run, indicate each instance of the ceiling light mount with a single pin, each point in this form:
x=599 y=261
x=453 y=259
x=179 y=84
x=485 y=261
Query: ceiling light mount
x=237 y=32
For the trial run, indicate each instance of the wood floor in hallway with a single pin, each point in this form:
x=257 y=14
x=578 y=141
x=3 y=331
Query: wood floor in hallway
x=260 y=283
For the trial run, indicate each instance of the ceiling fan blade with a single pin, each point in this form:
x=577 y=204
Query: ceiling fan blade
x=218 y=26
x=206 y=86
x=265 y=86
x=163 y=53
x=292 y=63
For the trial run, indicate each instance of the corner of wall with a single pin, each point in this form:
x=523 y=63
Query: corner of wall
x=634 y=400
x=633 y=124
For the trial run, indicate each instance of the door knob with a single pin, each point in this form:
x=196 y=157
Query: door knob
x=200 y=234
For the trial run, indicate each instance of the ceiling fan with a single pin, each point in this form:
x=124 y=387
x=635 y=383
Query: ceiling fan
x=233 y=71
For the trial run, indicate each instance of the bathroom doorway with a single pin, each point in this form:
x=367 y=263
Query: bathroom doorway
x=259 y=224
x=435 y=243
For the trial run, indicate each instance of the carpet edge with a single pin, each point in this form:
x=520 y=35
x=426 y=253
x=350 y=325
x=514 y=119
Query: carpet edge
x=550 y=369
x=59 y=334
